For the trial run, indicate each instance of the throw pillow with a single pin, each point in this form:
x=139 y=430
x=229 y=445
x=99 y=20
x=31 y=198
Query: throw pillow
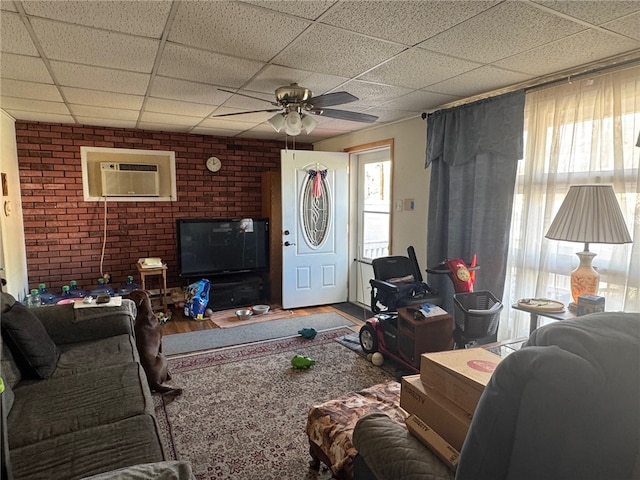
x=33 y=349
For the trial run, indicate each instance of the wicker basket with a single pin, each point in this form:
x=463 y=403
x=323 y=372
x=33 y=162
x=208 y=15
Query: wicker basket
x=477 y=314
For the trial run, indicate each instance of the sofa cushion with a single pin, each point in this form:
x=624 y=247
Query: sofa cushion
x=169 y=470
x=92 y=355
x=90 y=451
x=46 y=409
x=35 y=352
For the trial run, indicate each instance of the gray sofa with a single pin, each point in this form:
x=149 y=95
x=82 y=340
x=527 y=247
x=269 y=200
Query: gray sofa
x=566 y=407
x=76 y=400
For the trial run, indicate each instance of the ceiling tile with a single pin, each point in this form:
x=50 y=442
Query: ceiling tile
x=369 y=94
x=98 y=98
x=39 y=116
x=594 y=12
x=219 y=132
x=420 y=101
x=580 y=49
x=222 y=27
x=102 y=112
x=324 y=49
x=274 y=76
x=97 y=78
x=163 y=127
x=183 y=90
x=151 y=117
x=106 y=122
x=175 y=107
x=35 y=91
x=95 y=47
x=14 y=37
x=505 y=30
x=8 y=6
x=228 y=122
x=478 y=81
x=121 y=16
x=198 y=65
x=29 y=105
x=243 y=117
x=418 y=68
x=407 y=22
x=629 y=26
x=21 y=67
x=310 y=9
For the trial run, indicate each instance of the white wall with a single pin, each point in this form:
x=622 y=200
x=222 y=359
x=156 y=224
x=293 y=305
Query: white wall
x=13 y=257
x=410 y=179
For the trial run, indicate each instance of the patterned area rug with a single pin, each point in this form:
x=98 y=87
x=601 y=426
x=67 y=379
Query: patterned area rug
x=244 y=409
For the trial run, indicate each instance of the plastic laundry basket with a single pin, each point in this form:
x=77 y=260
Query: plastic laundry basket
x=477 y=314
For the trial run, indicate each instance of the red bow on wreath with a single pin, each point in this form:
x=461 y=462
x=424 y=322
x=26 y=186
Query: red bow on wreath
x=317 y=181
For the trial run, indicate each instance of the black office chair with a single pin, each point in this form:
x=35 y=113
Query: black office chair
x=398 y=283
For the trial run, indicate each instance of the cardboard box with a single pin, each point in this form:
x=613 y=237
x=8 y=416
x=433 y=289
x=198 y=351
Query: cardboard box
x=434 y=442
x=448 y=420
x=460 y=375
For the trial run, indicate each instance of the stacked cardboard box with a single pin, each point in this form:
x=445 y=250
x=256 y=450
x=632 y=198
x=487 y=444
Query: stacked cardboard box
x=442 y=398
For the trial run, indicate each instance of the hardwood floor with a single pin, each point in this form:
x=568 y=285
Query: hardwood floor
x=181 y=324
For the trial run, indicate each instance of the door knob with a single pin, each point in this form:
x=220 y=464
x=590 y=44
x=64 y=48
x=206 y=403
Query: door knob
x=288 y=244
x=286 y=232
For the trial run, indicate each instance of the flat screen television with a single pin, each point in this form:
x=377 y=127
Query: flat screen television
x=214 y=246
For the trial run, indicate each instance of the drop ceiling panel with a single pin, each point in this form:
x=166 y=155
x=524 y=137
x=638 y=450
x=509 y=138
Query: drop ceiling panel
x=168 y=119
x=35 y=91
x=509 y=29
x=332 y=51
x=100 y=48
x=202 y=66
x=221 y=132
x=274 y=76
x=419 y=68
x=97 y=78
x=593 y=11
x=310 y=9
x=20 y=67
x=420 y=101
x=103 y=112
x=28 y=105
x=629 y=26
x=183 y=90
x=15 y=37
x=162 y=127
x=106 y=122
x=369 y=93
x=174 y=107
x=39 y=116
x=477 y=81
x=223 y=27
x=230 y=123
x=131 y=17
x=81 y=96
x=406 y=22
x=578 y=49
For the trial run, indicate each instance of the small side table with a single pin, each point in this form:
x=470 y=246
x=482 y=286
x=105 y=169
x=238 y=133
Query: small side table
x=535 y=313
x=151 y=272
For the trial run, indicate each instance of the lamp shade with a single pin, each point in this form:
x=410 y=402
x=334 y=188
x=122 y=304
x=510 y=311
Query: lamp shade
x=309 y=123
x=277 y=121
x=590 y=214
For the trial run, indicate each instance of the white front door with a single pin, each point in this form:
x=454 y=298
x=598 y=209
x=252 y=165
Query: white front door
x=314 y=228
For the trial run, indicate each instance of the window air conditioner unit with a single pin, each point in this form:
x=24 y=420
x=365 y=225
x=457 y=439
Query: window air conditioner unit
x=130 y=180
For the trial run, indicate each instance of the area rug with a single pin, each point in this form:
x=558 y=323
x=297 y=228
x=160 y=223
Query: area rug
x=181 y=343
x=243 y=412
x=228 y=319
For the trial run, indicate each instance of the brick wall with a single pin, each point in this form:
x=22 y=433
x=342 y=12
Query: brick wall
x=64 y=234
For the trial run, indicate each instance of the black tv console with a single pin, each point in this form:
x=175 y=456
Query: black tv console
x=236 y=290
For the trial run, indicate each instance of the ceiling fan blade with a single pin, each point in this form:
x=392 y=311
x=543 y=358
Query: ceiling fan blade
x=243 y=113
x=248 y=96
x=331 y=99
x=346 y=115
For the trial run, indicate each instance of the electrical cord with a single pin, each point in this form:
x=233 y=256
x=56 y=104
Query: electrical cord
x=104 y=237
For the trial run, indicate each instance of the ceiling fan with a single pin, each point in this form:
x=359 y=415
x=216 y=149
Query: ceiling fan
x=296 y=105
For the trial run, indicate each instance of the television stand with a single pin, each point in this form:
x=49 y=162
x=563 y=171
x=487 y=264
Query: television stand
x=235 y=290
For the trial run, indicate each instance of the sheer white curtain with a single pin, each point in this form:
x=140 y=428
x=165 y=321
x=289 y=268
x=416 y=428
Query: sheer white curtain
x=579 y=132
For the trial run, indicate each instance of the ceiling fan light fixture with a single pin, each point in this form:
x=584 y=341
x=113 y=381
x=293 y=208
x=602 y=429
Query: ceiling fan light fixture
x=293 y=124
x=309 y=123
x=277 y=122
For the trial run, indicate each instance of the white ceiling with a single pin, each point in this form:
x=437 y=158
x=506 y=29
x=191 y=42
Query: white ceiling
x=158 y=64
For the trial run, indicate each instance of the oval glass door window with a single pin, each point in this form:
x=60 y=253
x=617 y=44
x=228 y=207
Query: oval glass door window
x=315 y=208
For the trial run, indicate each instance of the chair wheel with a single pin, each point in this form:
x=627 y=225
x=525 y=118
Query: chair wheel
x=368 y=339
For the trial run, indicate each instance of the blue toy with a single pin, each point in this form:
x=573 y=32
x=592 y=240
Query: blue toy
x=308 y=332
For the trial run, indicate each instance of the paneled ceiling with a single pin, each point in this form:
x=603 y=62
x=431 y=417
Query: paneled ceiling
x=159 y=64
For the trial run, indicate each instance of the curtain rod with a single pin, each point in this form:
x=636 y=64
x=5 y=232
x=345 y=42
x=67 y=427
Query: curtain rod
x=618 y=63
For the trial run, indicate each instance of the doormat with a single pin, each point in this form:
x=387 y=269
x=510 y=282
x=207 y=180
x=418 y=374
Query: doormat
x=354 y=309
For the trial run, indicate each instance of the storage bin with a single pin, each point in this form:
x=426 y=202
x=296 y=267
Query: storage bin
x=477 y=313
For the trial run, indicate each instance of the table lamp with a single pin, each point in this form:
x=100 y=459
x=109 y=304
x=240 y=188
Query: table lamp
x=589 y=214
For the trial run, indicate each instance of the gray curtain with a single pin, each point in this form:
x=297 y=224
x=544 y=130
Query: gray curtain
x=473 y=152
